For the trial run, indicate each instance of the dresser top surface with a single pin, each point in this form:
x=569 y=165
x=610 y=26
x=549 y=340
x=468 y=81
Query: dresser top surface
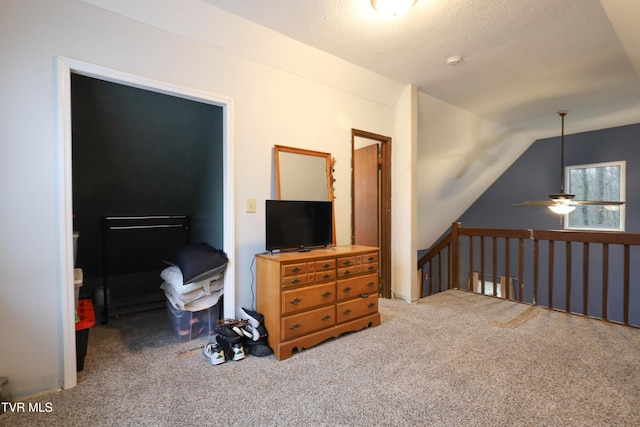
x=333 y=251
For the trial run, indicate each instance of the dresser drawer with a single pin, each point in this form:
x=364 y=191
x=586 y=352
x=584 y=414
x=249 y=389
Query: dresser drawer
x=350 y=261
x=295 y=280
x=327 y=264
x=370 y=258
x=307 y=322
x=294 y=269
x=322 y=276
x=308 y=297
x=349 y=271
x=351 y=288
x=370 y=267
x=355 y=308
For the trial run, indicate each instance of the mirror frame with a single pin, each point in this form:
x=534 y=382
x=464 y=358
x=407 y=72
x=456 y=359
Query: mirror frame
x=278 y=149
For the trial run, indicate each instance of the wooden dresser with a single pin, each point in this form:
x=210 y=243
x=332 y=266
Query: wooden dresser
x=309 y=297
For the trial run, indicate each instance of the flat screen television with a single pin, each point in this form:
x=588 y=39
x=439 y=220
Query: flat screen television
x=297 y=224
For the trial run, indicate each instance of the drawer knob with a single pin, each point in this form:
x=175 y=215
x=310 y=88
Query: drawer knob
x=346 y=290
x=296 y=280
x=371 y=305
x=371 y=267
x=370 y=258
x=295 y=326
x=326 y=294
x=326 y=265
x=326 y=317
x=364 y=295
x=347 y=311
x=295 y=269
x=326 y=276
x=346 y=272
x=347 y=262
x=296 y=301
x=371 y=284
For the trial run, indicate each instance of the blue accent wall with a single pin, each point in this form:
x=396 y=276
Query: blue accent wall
x=536 y=174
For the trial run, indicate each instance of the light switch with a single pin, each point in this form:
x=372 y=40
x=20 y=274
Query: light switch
x=251 y=205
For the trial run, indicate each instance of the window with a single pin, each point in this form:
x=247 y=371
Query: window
x=599 y=182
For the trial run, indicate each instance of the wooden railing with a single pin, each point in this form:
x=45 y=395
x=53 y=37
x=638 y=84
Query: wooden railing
x=594 y=274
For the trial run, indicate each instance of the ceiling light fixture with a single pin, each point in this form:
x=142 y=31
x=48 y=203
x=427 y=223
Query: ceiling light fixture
x=562 y=208
x=454 y=60
x=392 y=8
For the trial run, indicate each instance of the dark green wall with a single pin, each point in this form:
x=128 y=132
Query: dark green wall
x=137 y=152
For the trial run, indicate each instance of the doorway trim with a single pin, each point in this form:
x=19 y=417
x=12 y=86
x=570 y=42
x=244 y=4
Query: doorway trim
x=66 y=67
x=385 y=203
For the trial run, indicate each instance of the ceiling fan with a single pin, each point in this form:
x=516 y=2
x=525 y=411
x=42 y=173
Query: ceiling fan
x=563 y=203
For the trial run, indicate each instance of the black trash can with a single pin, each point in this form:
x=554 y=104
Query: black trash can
x=86 y=320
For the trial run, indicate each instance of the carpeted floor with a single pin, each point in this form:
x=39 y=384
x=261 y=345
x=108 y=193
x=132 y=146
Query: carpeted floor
x=453 y=359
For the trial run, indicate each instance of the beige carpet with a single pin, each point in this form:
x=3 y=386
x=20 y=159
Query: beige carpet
x=453 y=359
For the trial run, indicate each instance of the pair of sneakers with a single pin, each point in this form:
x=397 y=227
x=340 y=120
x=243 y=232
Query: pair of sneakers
x=221 y=349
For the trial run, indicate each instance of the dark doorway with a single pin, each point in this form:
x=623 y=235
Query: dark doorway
x=140 y=152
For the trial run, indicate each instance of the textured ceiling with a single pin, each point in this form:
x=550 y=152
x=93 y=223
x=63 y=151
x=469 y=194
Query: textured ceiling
x=523 y=60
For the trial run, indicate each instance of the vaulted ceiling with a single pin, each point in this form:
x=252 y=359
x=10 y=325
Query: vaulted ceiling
x=522 y=61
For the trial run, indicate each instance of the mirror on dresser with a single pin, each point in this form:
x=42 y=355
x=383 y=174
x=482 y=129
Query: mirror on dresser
x=304 y=175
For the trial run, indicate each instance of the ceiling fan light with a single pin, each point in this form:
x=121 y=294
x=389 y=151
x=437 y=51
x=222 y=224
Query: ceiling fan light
x=562 y=208
x=392 y=8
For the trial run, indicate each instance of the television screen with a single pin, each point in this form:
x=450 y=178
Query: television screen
x=297 y=224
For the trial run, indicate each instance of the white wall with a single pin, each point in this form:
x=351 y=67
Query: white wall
x=272 y=105
x=459 y=156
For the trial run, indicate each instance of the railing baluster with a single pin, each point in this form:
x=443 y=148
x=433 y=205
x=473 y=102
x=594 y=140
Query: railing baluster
x=494 y=255
x=430 y=280
x=625 y=298
x=535 y=271
x=507 y=262
x=521 y=268
x=449 y=255
x=455 y=257
x=482 y=264
x=585 y=279
x=567 y=306
x=440 y=272
x=551 y=264
x=471 y=284
x=605 y=281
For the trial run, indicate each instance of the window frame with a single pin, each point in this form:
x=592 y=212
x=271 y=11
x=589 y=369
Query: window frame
x=622 y=196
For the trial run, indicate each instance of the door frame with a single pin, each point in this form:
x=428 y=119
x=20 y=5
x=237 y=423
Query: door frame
x=384 y=217
x=67 y=66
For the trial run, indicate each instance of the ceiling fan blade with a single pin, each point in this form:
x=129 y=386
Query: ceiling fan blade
x=595 y=202
x=535 y=203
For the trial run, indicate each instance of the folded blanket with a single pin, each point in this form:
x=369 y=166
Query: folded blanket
x=202 y=300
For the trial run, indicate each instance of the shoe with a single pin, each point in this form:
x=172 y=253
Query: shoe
x=258 y=348
x=254 y=334
x=238 y=351
x=255 y=318
x=214 y=353
x=231 y=328
x=232 y=347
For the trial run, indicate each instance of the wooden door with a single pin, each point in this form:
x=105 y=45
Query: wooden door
x=378 y=214
x=366 y=196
